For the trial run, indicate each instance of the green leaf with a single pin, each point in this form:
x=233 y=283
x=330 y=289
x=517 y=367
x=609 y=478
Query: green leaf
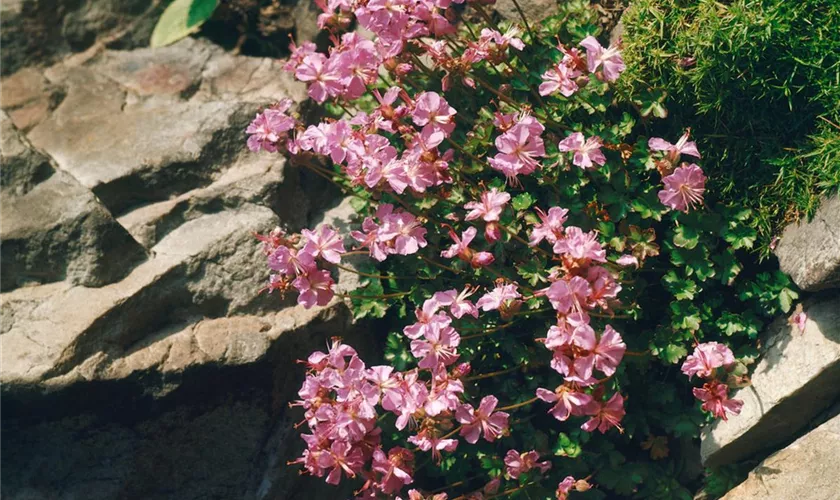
x=686 y=237
x=673 y=353
x=180 y=19
x=522 y=201
x=786 y=298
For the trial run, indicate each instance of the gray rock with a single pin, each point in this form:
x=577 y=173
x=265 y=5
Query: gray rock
x=805 y=470
x=534 y=10
x=183 y=107
x=796 y=378
x=810 y=251
x=54 y=228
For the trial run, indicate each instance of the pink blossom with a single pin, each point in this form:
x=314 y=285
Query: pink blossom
x=550 y=226
x=394 y=467
x=715 y=398
x=322 y=75
x=560 y=78
x=426 y=440
x=325 y=243
x=482 y=421
x=517 y=463
x=673 y=151
x=604 y=287
x=684 y=188
x=564 y=488
x=706 y=358
x=290 y=261
x=587 y=151
x=458 y=304
x=267 y=128
x=519 y=148
x=462 y=250
x=606 y=415
x=439 y=345
x=581 y=247
x=297 y=54
x=498 y=297
x=609 y=351
x=567 y=402
x=489 y=208
x=609 y=59
x=315 y=287
x=800 y=319
x=341 y=457
x=568 y=295
x=432 y=111
x=427 y=317
x=510 y=38
x=627 y=260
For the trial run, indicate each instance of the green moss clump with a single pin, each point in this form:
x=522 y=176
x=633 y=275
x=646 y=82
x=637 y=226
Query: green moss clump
x=759 y=83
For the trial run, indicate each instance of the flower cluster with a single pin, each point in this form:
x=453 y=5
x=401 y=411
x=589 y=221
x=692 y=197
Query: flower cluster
x=294 y=263
x=704 y=362
x=525 y=229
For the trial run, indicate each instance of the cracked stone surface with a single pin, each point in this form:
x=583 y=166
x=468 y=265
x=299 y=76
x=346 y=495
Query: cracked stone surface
x=810 y=251
x=138 y=358
x=805 y=470
x=796 y=378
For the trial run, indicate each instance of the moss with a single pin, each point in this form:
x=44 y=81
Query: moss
x=759 y=83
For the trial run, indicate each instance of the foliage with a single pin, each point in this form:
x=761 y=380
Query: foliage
x=759 y=83
x=181 y=18
x=544 y=197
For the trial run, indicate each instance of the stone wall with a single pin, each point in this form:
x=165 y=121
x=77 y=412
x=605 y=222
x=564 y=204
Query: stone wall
x=138 y=358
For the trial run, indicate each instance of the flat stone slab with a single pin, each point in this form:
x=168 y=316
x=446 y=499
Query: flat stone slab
x=797 y=377
x=810 y=251
x=806 y=470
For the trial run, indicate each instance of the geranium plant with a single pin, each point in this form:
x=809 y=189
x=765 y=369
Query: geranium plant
x=542 y=261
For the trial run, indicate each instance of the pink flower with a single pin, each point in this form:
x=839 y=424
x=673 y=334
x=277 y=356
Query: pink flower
x=290 y=261
x=458 y=304
x=609 y=351
x=482 y=421
x=462 y=250
x=426 y=440
x=673 y=151
x=489 y=208
x=567 y=296
x=432 y=111
x=267 y=128
x=517 y=463
x=551 y=226
x=587 y=151
x=519 y=148
x=567 y=402
x=715 y=398
x=394 y=467
x=498 y=297
x=706 y=358
x=564 y=488
x=325 y=243
x=627 y=260
x=684 y=188
x=580 y=247
x=800 y=319
x=560 y=78
x=315 y=287
x=323 y=77
x=606 y=415
x=439 y=346
x=609 y=59
x=509 y=38
x=341 y=457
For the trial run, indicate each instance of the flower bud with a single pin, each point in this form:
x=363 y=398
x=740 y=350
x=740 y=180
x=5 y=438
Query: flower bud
x=492 y=232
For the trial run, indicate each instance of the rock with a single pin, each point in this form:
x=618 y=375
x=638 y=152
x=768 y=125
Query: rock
x=805 y=470
x=54 y=228
x=22 y=166
x=810 y=252
x=28 y=98
x=196 y=268
x=184 y=107
x=797 y=377
x=534 y=10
